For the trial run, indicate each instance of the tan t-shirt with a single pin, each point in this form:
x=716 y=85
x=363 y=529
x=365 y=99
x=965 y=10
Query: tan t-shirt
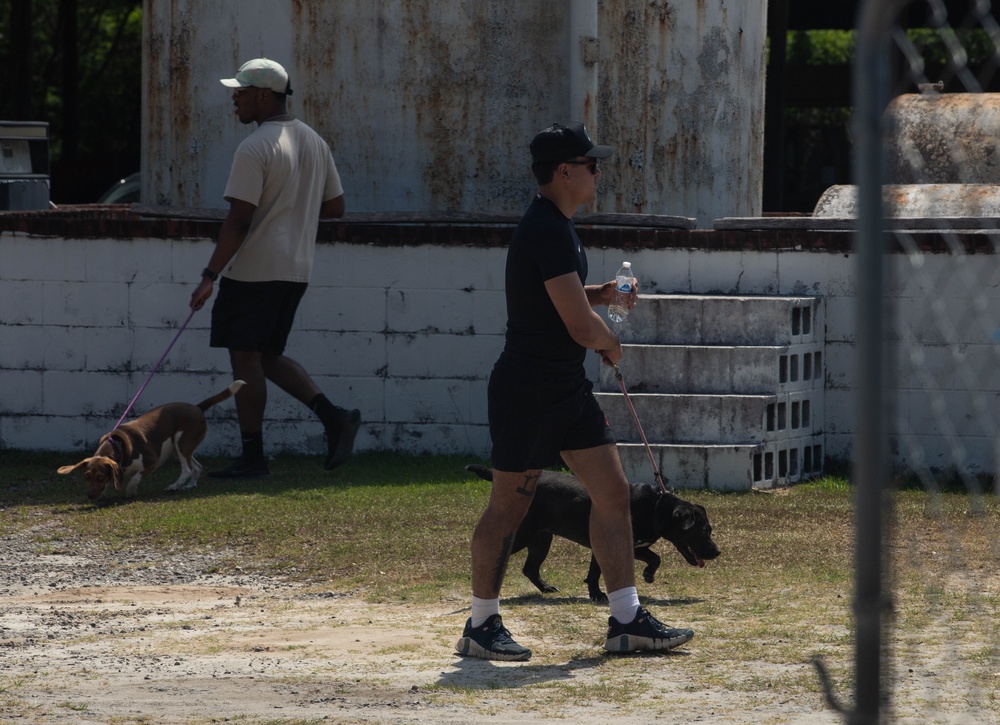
x=287 y=171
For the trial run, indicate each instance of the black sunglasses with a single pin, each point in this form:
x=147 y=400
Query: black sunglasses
x=592 y=165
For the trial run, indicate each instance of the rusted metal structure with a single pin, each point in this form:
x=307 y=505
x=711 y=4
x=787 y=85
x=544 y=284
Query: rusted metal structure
x=917 y=201
x=429 y=106
x=682 y=94
x=944 y=138
x=942 y=160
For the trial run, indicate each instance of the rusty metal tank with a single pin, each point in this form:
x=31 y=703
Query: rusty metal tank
x=943 y=138
x=941 y=160
x=925 y=201
x=430 y=106
x=682 y=93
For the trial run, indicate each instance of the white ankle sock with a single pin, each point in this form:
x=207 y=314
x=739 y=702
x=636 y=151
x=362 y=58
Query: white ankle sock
x=624 y=604
x=483 y=609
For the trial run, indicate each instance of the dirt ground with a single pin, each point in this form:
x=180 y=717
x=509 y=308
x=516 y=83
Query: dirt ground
x=95 y=636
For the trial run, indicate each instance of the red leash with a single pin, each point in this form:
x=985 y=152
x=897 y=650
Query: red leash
x=635 y=417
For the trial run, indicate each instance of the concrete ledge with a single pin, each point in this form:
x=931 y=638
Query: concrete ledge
x=655 y=221
x=849 y=224
x=725 y=467
x=713 y=370
x=719 y=468
x=689 y=419
x=724 y=320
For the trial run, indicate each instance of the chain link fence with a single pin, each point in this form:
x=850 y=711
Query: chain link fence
x=927 y=171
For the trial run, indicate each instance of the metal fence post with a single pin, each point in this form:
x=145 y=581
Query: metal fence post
x=871 y=465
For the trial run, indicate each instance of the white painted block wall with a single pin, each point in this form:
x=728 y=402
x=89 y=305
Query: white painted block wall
x=406 y=334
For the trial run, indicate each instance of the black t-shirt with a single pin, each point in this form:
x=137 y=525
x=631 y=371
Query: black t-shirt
x=545 y=245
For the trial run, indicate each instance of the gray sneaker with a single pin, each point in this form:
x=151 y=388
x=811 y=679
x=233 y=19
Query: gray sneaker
x=490 y=641
x=644 y=634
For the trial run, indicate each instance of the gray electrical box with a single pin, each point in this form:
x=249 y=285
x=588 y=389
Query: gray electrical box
x=24 y=165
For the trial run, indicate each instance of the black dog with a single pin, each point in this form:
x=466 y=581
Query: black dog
x=561 y=507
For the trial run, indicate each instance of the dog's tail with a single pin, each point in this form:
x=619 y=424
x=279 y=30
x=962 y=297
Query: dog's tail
x=483 y=472
x=219 y=397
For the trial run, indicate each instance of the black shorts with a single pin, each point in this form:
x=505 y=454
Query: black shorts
x=531 y=422
x=254 y=316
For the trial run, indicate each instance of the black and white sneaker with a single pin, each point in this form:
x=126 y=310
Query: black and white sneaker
x=644 y=634
x=490 y=641
x=340 y=439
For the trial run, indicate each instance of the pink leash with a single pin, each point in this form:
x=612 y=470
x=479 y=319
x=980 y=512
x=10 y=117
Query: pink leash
x=635 y=417
x=156 y=367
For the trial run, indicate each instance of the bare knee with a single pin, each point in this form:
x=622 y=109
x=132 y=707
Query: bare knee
x=600 y=471
x=510 y=498
x=611 y=494
x=246 y=364
x=502 y=521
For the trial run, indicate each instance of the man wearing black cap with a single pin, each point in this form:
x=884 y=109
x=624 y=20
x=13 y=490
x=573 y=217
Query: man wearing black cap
x=542 y=408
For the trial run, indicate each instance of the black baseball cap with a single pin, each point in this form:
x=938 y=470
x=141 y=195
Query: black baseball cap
x=561 y=143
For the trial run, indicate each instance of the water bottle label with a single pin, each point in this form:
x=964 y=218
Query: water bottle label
x=626 y=287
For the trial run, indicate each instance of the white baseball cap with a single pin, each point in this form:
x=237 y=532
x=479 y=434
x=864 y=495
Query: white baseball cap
x=260 y=73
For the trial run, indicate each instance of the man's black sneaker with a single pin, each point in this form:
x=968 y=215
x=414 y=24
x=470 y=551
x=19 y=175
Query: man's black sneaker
x=490 y=641
x=644 y=634
x=243 y=468
x=340 y=440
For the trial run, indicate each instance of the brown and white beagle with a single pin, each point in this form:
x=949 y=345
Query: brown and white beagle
x=141 y=446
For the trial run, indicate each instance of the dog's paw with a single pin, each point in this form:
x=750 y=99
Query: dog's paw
x=548 y=588
x=599 y=597
x=649 y=574
x=180 y=486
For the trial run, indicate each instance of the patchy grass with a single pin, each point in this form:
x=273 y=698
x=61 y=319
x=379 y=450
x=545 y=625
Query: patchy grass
x=397 y=528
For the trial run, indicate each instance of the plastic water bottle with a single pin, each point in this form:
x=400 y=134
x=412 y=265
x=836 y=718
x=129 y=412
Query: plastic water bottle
x=618 y=309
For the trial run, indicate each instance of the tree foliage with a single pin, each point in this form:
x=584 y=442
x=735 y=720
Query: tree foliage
x=76 y=64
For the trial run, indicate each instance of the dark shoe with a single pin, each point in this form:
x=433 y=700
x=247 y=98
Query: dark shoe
x=490 y=641
x=644 y=634
x=340 y=441
x=242 y=468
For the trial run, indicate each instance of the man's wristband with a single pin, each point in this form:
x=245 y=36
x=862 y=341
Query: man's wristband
x=210 y=274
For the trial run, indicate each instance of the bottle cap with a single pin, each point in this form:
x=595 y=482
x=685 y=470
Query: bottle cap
x=627 y=265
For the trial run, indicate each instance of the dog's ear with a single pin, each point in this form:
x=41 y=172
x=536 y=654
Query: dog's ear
x=75 y=467
x=116 y=474
x=684 y=516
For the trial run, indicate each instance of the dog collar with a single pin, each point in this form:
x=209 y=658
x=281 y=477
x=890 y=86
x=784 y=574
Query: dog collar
x=117 y=446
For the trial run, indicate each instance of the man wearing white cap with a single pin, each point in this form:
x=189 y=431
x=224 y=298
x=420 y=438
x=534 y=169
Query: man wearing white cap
x=283 y=180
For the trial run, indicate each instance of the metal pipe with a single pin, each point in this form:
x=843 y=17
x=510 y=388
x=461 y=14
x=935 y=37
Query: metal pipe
x=583 y=56
x=871 y=449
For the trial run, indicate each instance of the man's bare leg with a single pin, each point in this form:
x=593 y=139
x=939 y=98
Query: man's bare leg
x=484 y=635
x=630 y=628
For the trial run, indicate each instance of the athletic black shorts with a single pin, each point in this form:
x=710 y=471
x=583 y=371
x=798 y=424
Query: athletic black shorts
x=532 y=421
x=254 y=316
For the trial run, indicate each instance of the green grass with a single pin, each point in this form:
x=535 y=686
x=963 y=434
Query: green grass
x=399 y=526
x=383 y=517
x=390 y=527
